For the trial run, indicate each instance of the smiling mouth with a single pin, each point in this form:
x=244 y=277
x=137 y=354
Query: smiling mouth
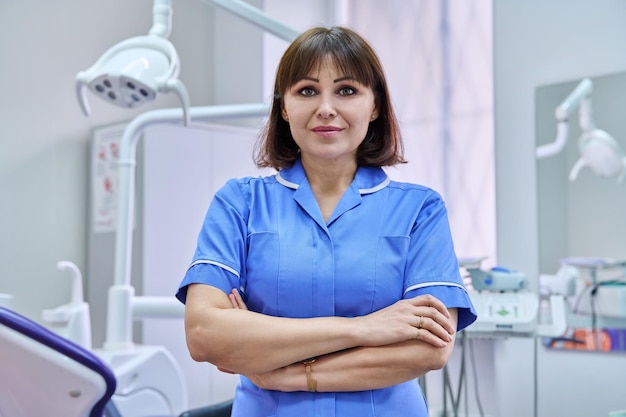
x=326 y=129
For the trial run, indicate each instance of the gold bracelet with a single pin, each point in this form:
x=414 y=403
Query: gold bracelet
x=311 y=382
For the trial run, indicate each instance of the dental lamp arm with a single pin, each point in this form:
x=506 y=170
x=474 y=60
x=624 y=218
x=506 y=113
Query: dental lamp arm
x=553 y=148
x=582 y=91
x=175 y=85
x=579 y=97
x=81 y=89
x=580 y=164
x=162 y=18
x=122 y=303
x=257 y=17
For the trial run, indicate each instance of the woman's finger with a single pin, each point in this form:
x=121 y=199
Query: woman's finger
x=430 y=301
x=431 y=319
x=236 y=300
x=441 y=331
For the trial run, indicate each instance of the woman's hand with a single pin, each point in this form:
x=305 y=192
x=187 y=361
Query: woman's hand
x=236 y=300
x=423 y=318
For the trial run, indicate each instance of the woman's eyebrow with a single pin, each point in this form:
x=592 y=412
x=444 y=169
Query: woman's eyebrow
x=347 y=77
x=338 y=80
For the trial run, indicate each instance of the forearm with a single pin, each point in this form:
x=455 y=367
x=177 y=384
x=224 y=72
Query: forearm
x=363 y=368
x=221 y=330
x=251 y=342
x=377 y=367
x=246 y=342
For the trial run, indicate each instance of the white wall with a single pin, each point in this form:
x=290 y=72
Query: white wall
x=537 y=43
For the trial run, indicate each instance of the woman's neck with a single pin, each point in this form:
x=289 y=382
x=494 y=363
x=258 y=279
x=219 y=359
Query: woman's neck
x=329 y=181
x=329 y=177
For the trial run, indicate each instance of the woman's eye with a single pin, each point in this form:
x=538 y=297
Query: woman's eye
x=346 y=91
x=307 y=91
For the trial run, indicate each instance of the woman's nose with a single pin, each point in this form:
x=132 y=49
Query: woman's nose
x=326 y=108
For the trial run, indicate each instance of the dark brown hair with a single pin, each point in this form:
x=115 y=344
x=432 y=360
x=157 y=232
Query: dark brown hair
x=354 y=57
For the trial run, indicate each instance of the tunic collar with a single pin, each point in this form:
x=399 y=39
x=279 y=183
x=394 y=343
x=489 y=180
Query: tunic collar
x=367 y=179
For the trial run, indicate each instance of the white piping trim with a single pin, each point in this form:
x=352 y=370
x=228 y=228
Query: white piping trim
x=362 y=191
x=434 y=284
x=376 y=188
x=286 y=183
x=221 y=265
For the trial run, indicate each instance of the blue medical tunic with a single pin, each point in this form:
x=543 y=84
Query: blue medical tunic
x=385 y=241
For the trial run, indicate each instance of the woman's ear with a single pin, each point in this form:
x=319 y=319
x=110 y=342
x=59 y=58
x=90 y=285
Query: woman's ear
x=375 y=112
x=284 y=114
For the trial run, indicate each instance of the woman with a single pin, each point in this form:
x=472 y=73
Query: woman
x=328 y=287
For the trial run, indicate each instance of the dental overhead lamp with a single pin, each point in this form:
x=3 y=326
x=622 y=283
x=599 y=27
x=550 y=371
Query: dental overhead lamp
x=136 y=70
x=598 y=149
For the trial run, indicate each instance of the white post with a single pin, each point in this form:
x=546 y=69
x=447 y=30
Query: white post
x=121 y=294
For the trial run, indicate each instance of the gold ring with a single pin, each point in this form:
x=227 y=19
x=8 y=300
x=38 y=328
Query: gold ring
x=419 y=326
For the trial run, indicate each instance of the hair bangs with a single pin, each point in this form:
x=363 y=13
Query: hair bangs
x=346 y=53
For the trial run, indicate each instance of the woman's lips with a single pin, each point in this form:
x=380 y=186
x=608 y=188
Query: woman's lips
x=326 y=130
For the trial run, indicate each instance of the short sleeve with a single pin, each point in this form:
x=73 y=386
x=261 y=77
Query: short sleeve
x=452 y=297
x=220 y=251
x=432 y=266
x=209 y=274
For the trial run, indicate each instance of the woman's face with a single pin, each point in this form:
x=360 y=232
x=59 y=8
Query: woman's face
x=329 y=114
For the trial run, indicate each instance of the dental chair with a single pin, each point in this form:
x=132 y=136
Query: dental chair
x=45 y=374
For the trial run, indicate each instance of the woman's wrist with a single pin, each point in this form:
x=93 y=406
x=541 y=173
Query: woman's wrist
x=311 y=382
x=358 y=331
x=290 y=378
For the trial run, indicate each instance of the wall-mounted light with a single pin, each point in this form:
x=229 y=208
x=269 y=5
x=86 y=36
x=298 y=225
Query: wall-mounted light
x=598 y=149
x=600 y=152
